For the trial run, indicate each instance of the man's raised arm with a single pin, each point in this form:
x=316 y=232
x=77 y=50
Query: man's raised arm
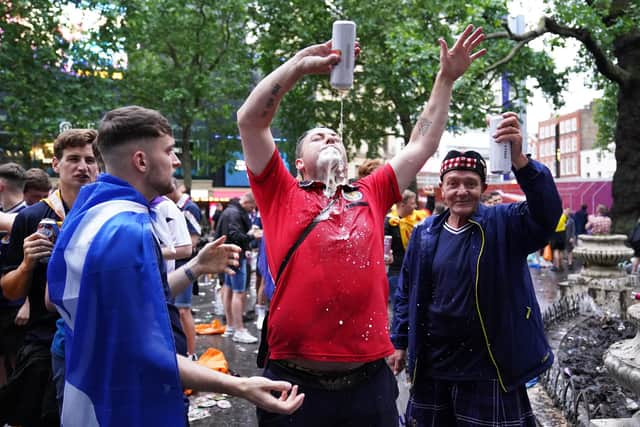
x=433 y=119
x=257 y=112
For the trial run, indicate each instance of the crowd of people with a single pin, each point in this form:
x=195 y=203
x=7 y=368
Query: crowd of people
x=96 y=323
x=92 y=332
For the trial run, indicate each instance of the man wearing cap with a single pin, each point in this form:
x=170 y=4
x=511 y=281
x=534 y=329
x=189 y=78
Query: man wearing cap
x=466 y=317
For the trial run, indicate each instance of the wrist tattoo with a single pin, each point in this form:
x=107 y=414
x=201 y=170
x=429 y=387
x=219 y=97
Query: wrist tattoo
x=423 y=126
x=189 y=273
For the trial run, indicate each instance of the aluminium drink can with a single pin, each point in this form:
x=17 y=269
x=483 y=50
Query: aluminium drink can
x=387 y=246
x=343 y=40
x=499 y=152
x=48 y=227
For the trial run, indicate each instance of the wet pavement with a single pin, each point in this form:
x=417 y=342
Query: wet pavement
x=241 y=357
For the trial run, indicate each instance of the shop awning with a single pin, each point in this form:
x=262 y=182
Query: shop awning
x=224 y=194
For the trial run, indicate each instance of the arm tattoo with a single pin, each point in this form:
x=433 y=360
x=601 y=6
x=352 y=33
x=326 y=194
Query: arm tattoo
x=268 y=106
x=271 y=101
x=423 y=126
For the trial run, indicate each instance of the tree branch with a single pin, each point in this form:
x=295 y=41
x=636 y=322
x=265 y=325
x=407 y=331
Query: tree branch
x=548 y=25
x=507 y=58
x=173 y=54
x=603 y=64
x=223 y=49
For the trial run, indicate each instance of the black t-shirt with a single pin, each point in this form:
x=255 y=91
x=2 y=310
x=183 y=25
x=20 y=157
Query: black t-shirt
x=396 y=247
x=42 y=323
x=5 y=238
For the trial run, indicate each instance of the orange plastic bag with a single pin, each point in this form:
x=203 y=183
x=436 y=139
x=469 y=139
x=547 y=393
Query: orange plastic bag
x=214 y=359
x=213 y=328
x=547 y=254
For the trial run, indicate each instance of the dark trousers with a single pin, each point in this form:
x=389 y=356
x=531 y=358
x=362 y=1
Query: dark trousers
x=29 y=398
x=370 y=403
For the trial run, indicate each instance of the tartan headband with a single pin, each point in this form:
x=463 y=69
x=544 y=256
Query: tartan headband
x=468 y=160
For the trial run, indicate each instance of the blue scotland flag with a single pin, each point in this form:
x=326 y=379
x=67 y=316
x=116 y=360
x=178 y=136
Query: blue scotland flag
x=105 y=280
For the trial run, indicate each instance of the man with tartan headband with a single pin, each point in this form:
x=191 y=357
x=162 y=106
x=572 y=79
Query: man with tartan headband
x=466 y=316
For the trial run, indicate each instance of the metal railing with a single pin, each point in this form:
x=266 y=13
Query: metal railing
x=562 y=310
x=557 y=381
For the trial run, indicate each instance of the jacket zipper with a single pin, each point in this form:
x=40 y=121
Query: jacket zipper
x=482 y=326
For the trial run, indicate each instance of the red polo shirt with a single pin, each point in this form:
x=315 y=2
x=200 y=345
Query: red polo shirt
x=331 y=302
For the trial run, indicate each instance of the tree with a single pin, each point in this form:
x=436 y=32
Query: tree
x=609 y=33
x=399 y=60
x=48 y=73
x=189 y=59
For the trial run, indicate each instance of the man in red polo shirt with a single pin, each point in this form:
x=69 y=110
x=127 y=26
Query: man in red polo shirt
x=328 y=325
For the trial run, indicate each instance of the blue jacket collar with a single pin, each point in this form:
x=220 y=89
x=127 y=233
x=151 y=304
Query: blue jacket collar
x=478 y=216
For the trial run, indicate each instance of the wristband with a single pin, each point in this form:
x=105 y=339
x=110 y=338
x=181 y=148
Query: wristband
x=189 y=274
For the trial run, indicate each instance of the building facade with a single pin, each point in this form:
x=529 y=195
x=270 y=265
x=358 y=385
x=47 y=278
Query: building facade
x=565 y=144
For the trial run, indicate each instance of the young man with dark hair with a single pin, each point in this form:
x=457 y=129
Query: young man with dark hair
x=399 y=224
x=29 y=397
x=13 y=314
x=235 y=223
x=108 y=282
x=36 y=186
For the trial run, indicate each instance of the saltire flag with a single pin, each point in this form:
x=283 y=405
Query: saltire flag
x=104 y=279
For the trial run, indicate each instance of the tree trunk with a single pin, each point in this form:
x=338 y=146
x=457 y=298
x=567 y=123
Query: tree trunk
x=626 y=180
x=186 y=155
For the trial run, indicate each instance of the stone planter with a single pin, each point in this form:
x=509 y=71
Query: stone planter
x=622 y=359
x=600 y=276
x=601 y=254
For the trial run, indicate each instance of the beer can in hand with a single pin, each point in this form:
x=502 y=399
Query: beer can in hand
x=499 y=152
x=343 y=40
x=48 y=228
x=387 y=247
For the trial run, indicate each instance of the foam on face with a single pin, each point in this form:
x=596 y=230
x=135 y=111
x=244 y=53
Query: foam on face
x=331 y=164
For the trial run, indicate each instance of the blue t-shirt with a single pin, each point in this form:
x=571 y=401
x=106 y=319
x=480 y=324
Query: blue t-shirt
x=57 y=345
x=196 y=216
x=455 y=343
x=194 y=210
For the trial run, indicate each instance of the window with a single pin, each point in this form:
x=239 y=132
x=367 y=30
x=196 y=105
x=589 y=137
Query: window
x=588 y=174
x=574 y=124
x=599 y=174
x=587 y=160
